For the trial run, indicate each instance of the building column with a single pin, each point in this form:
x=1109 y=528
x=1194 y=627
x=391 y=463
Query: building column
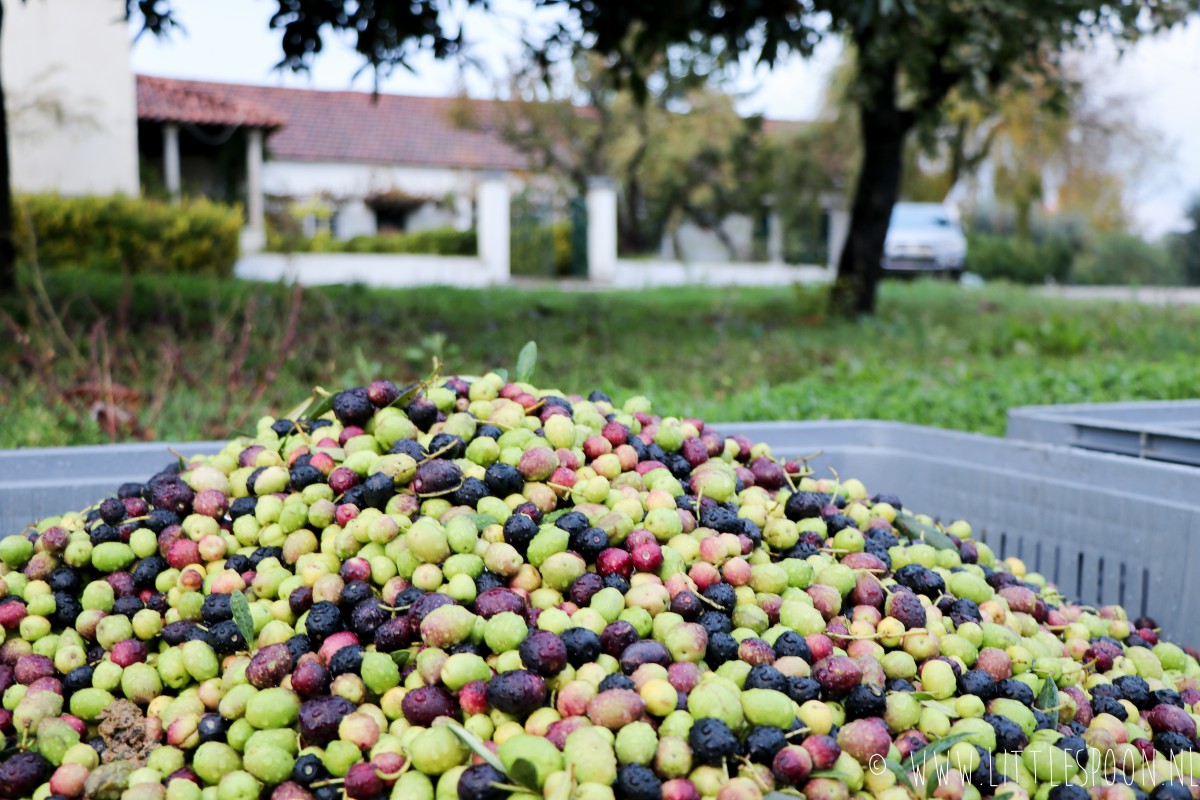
x=774 y=237
x=464 y=213
x=255 y=205
x=492 y=225
x=171 y=174
x=255 y=235
x=602 y=230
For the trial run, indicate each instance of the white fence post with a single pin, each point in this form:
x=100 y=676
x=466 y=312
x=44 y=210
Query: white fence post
x=838 y=215
x=492 y=226
x=774 y=236
x=602 y=230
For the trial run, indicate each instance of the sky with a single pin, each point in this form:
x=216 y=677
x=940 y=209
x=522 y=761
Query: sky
x=229 y=40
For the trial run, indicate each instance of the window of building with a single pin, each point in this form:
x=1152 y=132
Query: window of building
x=392 y=217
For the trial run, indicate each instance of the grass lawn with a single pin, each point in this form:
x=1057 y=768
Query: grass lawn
x=91 y=359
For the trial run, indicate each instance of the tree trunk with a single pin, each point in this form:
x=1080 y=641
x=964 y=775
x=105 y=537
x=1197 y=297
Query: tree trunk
x=8 y=266
x=631 y=234
x=884 y=127
x=633 y=238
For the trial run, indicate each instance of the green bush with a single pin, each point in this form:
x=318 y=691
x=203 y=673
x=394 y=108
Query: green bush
x=1187 y=245
x=1008 y=258
x=1065 y=249
x=436 y=241
x=1122 y=258
x=116 y=234
x=541 y=251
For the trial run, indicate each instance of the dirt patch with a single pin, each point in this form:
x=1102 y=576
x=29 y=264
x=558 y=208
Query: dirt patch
x=123 y=729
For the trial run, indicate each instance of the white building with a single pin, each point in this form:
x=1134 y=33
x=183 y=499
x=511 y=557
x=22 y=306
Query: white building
x=70 y=97
x=81 y=122
x=361 y=164
x=348 y=163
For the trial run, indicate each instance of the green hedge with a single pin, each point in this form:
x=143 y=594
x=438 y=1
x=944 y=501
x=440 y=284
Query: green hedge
x=118 y=234
x=1112 y=259
x=1008 y=258
x=436 y=241
x=1120 y=258
x=543 y=251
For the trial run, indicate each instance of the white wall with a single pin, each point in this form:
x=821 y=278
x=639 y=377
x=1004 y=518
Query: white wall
x=73 y=56
x=402 y=271
x=355 y=218
x=351 y=182
x=369 y=269
x=639 y=274
x=429 y=216
x=702 y=244
x=348 y=179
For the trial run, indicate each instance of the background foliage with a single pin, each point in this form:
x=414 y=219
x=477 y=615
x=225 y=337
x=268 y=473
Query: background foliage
x=436 y=241
x=118 y=234
x=85 y=358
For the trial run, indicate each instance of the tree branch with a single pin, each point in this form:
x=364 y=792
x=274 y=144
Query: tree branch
x=940 y=81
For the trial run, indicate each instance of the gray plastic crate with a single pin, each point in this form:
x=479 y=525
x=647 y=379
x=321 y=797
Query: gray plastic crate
x=1163 y=431
x=1105 y=528
x=42 y=481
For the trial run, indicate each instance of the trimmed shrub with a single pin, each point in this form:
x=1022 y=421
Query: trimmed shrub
x=542 y=251
x=1008 y=258
x=1120 y=258
x=117 y=234
x=436 y=241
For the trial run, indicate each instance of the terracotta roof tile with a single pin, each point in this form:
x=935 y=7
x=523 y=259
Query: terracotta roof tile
x=318 y=125
x=315 y=125
x=167 y=100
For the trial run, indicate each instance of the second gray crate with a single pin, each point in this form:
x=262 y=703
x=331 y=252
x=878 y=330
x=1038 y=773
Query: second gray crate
x=1104 y=528
x=1162 y=430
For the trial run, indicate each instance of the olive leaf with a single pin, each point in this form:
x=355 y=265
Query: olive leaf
x=406 y=397
x=482 y=521
x=781 y=795
x=298 y=411
x=565 y=788
x=241 y=616
x=322 y=403
x=920 y=757
x=836 y=774
x=901 y=774
x=527 y=362
x=477 y=747
x=524 y=773
x=401 y=658
x=949 y=711
x=913 y=528
x=514 y=790
x=1047 y=699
